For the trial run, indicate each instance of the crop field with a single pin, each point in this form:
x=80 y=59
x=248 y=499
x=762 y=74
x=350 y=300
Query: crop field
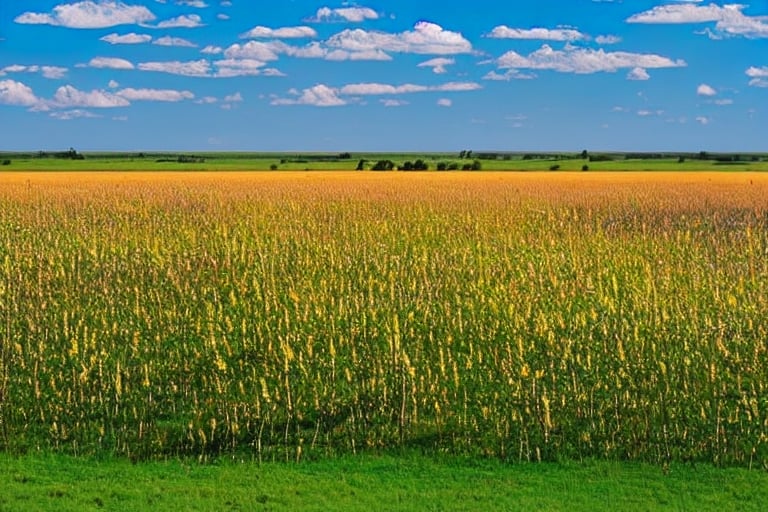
x=291 y=316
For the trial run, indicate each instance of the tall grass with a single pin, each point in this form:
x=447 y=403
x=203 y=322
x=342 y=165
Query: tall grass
x=529 y=317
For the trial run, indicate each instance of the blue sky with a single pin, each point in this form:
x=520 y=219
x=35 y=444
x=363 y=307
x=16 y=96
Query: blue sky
x=384 y=75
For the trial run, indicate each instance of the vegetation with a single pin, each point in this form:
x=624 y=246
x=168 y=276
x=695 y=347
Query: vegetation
x=465 y=160
x=521 y=316
x=406 y=482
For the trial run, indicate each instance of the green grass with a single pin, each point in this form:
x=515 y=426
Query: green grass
x=369 y=483
x=301 y=162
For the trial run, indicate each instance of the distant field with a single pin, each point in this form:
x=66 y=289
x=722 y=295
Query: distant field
x=301 y=315
x=314 y=162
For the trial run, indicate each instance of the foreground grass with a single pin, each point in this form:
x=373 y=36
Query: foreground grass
x=372 y=483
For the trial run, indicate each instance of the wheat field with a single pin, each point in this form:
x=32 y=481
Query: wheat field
x=526 y=316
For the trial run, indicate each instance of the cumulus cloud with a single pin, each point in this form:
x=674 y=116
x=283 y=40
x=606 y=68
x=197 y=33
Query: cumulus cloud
x=90 y=14
x=559 y=34
x=168 y=95
x=729 y=19
x=608 y=39
x=318 y=96
x=510 y=74
x=444 y=102
x=17 y=93
x=212 y=50
x=583 y=60
x=174 y=41
x=438 y=64
x=110 y=63
x=193 y=3
x=184 y=21
x=425 y=38
x=196 y=68
x=759 y=76
x=239 y=67
x=349 y=14
x=279 y=33
x=131 y=38
x=67 y=96
x=51 y=72
x=378 y=89
x=639 y=74
x=68 y=115
x=269 y=51
x=393 y=103
x=705 y=90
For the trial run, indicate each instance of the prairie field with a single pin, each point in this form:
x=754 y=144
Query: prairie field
x=292 y=316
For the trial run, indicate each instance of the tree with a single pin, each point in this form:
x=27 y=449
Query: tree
x=476 y=165
x=462 y=154
x=360 y=165
x=584 y=154
x=442 y=166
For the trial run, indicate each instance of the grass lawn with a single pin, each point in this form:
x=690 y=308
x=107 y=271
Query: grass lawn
x=42 y=482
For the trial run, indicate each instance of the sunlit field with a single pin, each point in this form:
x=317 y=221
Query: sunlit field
x=286 y=316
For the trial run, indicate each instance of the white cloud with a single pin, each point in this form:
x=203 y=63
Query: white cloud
x=68 y=96
x=169 y=95
x=444 y=102
x=90 y=14
x=560 y=34
x=212 y=50
x=222 y=16
x=729 y=19
x=234 y=98
x=184 y=21
x=425 y=38
x=198 y=68
x=319 y=96
x=342 y=55
x=16 y=93
x=759 y=76
x=608 y=39
x=702 y=120
x=68 y=115
x=193 y=3
x=252 y=50
x=583 y=60
x=639 y=74
x=279 y=33
x=393 y=103
x=239 y=67
x=174 y=41
x=377 y=89
x=113 y=84
x=350 y=14
x=754 y=72
x=510 y=74
x=270 y=51
x=705 y=90
x=110 y=62
x=51 y=72
x=438 y=64
x=131 y=38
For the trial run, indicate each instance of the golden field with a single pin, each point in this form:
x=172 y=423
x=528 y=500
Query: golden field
x=529 y=316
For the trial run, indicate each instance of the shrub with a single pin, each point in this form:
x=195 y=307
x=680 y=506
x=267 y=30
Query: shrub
x=554 y=167
x=273 y=167
x=585 y=168
x=6 y=162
